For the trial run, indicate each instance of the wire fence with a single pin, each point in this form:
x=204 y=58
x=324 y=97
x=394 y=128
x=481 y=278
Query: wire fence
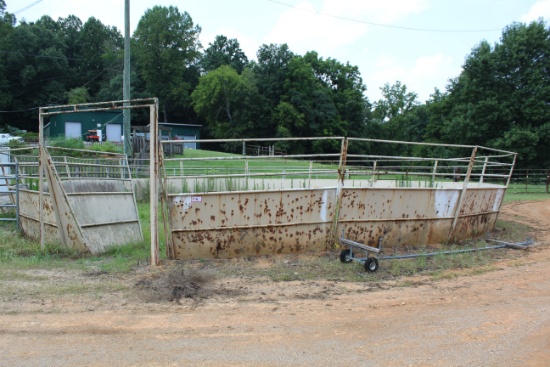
x=530 y=181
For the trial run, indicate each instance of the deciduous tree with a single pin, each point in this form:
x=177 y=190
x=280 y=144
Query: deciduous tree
x=166 y=48
x=224 y=51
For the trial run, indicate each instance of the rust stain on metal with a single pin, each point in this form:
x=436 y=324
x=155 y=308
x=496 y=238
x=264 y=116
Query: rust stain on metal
x=272 y=222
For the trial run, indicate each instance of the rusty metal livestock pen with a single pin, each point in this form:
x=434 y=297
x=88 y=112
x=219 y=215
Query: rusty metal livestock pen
x=239 y=205
x=274 y=196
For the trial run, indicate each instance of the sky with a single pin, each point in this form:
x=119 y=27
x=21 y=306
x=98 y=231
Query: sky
x=421 y=43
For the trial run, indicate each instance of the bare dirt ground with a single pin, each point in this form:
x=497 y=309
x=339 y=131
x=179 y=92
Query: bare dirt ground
x=497 y=318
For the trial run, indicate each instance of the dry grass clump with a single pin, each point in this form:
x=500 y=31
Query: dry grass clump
x=176 y=284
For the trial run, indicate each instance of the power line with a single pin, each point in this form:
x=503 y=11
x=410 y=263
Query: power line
x=26 y=7
x=388 y=25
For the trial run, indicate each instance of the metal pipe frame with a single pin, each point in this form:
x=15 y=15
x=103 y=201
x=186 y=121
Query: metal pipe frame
x=149 y=103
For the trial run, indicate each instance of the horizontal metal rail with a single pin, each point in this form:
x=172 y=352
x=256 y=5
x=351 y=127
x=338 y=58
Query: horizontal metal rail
x=430 y=144
x=359 y=245
x=251 y=140
x=100 y=193
x=410 y=256
x=99 y=224
x=99 y=106
x=522 y=245
x=253 y=157
x=263 y=174
x=51 y=224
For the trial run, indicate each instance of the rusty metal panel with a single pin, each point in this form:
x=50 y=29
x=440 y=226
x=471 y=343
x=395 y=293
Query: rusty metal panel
x=235 y=242
x=251 y=223
x=29 y=206
x=397 y=203
x=473 y=226
x=396 y=232
x=482 y=200
x=31 y=228
x=30 y=221
x=412 y=215
x=400 y=215
x=255 y=223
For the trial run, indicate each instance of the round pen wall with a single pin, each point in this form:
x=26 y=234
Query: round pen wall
x=294 y=203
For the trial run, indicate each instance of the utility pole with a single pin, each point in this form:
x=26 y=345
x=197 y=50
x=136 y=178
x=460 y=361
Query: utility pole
x=126 y=79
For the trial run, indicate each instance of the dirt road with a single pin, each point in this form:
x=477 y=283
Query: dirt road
x=498 y=318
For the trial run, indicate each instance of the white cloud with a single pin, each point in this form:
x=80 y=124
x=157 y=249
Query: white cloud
x=420 y=77
x=432 y=72
x=375 y=11
x=539 y=9
x=385 y=70
x=304 y=30
x=336 y=24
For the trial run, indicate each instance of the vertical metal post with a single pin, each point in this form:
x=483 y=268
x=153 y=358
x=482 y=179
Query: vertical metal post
x=507 y=183
x=483 y=170
x=463 y=192
x=511 y=171
x=153 y=181
x=41 y=160
x=434 y=171
x=244 y=147
x=67 y=167
x=339 y=187
x=343 y=161
x=17 y=178
x=126 y=80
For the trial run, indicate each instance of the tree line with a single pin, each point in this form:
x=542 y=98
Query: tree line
x=500 y=99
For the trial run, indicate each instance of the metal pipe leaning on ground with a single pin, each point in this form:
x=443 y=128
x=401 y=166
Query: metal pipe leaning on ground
x=370 y=263
x=518 y=246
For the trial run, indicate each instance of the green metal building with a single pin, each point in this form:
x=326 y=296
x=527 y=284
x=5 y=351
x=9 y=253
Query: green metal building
x=78 y=125
x=110 y=124
x=171 y=131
